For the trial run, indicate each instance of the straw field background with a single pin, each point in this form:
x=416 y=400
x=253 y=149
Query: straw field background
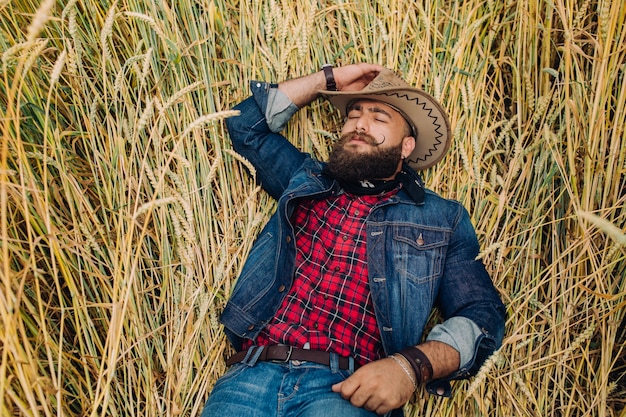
x=126 y=216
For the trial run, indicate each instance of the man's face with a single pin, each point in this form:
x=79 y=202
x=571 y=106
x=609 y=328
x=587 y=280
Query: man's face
x=374 y=139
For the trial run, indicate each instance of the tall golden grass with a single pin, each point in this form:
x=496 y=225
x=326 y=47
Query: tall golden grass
x=125 y=216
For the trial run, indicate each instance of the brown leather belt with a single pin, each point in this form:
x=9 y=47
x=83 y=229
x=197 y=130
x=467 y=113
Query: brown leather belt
x=282 y=353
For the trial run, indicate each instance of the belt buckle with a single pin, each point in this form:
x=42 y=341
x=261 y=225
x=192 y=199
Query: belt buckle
x=289 y=354
x=288 y=358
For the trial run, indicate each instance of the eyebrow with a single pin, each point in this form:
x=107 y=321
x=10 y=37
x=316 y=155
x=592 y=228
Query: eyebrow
x=373 y=108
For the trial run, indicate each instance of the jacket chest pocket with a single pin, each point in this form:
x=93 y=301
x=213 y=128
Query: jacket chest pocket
x=419 y=251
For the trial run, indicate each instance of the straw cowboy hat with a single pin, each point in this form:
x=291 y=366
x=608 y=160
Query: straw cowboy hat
x=424 y=114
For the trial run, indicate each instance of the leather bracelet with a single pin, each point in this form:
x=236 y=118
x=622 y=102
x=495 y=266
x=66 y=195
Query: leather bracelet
x=330 y=78
x=420 y=364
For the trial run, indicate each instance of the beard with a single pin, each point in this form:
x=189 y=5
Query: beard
x=346 y=164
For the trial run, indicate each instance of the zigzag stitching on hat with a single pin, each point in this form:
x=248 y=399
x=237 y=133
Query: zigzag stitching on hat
x=429 y=110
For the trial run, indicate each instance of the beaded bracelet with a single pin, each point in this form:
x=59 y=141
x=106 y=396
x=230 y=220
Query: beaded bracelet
x=405 y=369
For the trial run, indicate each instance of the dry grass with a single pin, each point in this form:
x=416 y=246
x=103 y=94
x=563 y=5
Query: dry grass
x=125 y=217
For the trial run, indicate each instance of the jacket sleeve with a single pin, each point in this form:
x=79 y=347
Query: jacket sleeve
x=470 y=305
x=253 y=137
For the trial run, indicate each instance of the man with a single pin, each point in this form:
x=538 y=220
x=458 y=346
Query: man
x=329 y=311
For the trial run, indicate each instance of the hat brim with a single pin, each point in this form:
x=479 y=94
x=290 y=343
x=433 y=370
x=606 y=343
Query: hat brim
x=422 y=111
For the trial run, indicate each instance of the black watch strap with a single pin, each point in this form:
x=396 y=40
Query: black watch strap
x=330 y=78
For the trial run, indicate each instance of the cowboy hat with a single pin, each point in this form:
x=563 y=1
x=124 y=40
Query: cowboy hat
x=424 y=114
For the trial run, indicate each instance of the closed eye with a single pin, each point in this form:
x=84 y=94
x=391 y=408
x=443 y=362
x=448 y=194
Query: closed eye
x=353 y=114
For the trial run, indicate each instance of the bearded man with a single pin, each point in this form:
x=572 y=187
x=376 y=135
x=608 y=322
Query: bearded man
x=328 y=316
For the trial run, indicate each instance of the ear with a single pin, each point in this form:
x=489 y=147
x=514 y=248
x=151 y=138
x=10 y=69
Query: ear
x=408 y=144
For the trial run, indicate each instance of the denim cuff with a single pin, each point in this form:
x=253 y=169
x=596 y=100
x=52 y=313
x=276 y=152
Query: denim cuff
x=459 y=332
x=279 y=110
x=275 y=105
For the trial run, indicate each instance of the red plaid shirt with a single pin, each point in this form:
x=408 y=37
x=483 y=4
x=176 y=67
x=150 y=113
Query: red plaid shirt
x=329 y=305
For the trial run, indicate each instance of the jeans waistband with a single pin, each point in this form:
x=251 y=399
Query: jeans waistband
x=283 y=353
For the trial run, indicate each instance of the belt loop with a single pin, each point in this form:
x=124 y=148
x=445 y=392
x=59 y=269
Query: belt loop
x=334 y=362
x=252 y=356
x=351 y=364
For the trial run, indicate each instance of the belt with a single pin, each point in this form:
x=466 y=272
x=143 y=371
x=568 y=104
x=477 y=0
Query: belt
x=283 y=353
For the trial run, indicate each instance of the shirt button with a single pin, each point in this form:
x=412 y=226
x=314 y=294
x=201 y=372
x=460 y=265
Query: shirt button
x=344 y=238
x=288 y=239
x=356 y=212
x=281 y=288
x=251 y=327
x=315 y=325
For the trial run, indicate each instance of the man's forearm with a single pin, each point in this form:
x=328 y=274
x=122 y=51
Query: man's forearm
x=302 y=91
x=444 y=359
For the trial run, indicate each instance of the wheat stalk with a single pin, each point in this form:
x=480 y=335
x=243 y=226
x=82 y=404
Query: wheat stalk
x=126 y=216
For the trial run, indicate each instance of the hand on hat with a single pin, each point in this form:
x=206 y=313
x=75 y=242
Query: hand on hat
x=356 y=76
x=302 y=91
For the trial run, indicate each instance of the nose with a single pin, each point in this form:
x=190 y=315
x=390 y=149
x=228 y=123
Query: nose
x=361 y=125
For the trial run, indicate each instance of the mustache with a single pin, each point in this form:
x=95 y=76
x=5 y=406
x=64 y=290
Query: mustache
x=365 y=137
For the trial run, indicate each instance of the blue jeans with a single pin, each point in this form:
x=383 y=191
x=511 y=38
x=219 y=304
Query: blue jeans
x=284 y=389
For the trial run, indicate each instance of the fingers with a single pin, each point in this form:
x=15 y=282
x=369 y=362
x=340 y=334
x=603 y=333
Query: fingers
x=349 y=390
x=356 y=76
x=337 y=387
x=346 y=388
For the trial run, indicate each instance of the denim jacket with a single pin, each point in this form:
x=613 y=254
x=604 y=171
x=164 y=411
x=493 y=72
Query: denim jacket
x=420 y=255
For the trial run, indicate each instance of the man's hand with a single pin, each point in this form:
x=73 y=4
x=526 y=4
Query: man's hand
x=379 y=386
x=382 y=385
x=301 y=91
x=355 y=77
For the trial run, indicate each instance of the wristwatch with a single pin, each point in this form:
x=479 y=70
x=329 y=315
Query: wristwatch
x=330 y=78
